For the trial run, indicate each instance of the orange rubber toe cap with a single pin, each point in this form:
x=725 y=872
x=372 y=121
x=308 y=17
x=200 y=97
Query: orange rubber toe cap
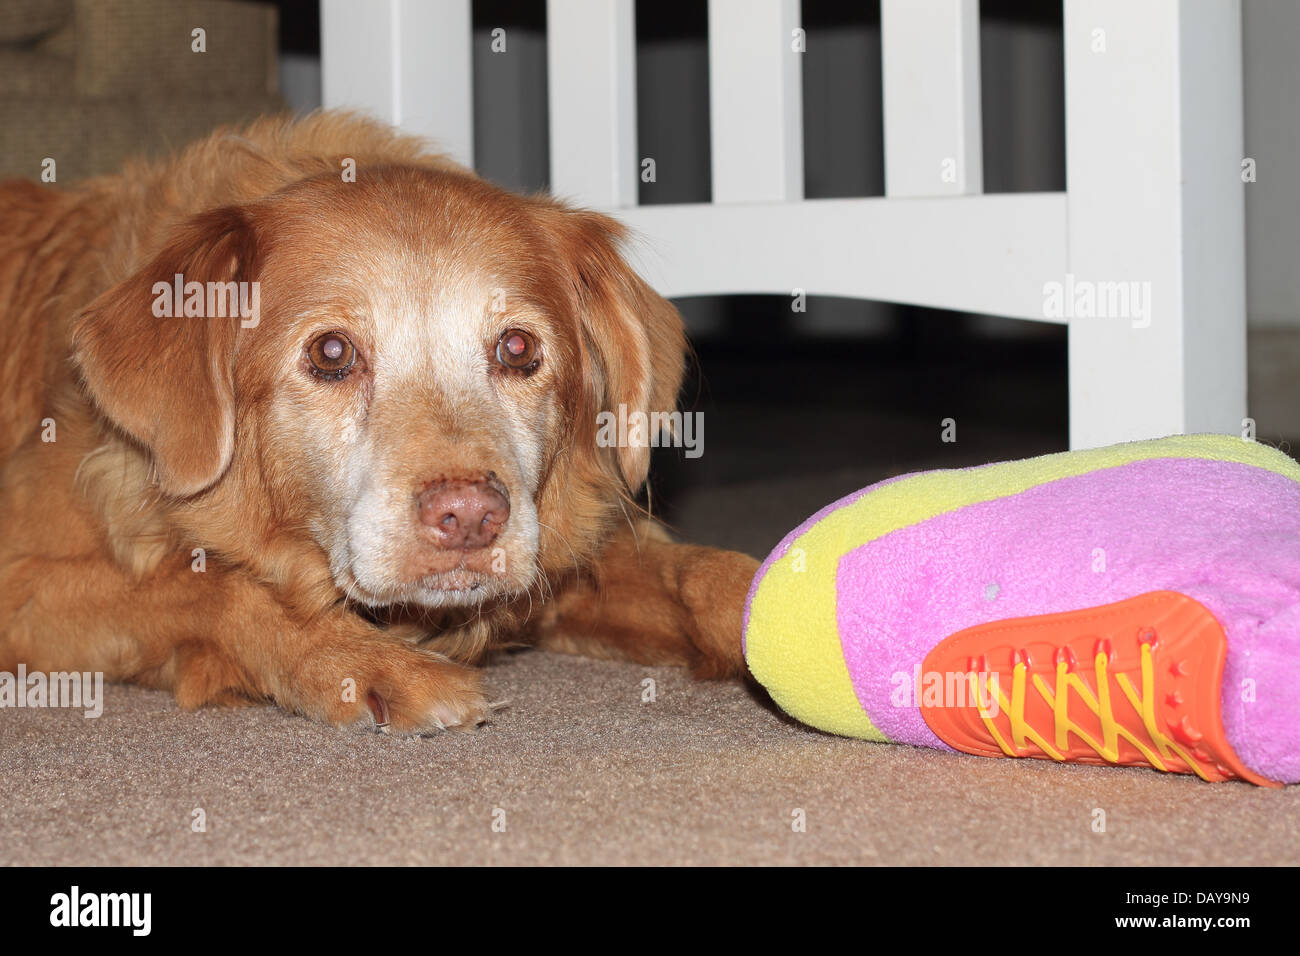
x=1133 y=683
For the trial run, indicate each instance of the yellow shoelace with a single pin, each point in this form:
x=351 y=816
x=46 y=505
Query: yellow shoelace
x=1100 y=705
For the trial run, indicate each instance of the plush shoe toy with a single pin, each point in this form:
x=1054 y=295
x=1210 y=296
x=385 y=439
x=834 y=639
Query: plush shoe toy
x=1138 y=604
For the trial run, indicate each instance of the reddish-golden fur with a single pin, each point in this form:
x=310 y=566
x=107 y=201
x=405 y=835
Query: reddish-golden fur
x=200 y=520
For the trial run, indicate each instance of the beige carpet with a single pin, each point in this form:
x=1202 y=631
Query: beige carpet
x=585 y=772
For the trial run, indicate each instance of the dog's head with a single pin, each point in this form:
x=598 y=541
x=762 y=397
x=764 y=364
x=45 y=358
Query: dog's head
x=412 y=378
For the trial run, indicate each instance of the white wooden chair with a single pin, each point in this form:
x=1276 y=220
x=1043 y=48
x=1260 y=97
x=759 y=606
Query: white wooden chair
x=1153 y=96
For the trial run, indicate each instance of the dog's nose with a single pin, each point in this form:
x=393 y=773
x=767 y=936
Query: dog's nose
x=463 y=515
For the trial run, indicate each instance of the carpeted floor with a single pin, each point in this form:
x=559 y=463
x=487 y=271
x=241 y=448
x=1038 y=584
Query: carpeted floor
x=587 y=771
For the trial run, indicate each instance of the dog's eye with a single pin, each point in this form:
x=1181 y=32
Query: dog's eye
x=331 y=355
x=516 y=349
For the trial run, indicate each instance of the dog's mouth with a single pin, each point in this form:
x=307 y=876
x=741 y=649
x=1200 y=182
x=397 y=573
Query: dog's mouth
x=457 y=588
x=455 y=570
x=448 y=589
x=456 y=585
x=457 y=581
x=427 y=576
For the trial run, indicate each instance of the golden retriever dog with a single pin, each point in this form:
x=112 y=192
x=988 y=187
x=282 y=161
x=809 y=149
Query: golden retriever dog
x=309 y=414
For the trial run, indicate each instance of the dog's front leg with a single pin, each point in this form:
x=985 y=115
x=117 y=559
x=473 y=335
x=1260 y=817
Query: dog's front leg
x=654 y=601
x=219 y=636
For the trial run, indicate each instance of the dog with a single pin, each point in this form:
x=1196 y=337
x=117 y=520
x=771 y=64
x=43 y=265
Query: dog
x=308 y=414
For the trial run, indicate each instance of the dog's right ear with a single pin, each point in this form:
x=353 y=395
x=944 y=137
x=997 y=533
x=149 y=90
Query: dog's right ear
x=165 y=378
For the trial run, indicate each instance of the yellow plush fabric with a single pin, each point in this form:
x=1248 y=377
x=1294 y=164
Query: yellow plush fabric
x=792 y=642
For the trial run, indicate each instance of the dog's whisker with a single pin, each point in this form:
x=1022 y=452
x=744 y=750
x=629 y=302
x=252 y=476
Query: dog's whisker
x=572 y=553
x=630 y=523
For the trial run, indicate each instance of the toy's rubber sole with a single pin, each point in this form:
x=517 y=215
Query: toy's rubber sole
x=1136 y=682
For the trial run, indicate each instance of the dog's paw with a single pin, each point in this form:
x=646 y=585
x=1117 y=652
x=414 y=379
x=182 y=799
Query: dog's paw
x=425 y=694
x=395 y=688
x=713 y=587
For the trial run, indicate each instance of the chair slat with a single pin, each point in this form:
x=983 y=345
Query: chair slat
x=930 y=65
x=405 y=61
x=755 y=101
x=591 y=76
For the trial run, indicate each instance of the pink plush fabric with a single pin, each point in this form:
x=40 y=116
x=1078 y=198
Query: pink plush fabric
x=1225 y=534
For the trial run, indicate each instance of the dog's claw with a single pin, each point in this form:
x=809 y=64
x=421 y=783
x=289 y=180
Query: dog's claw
x=379 y=708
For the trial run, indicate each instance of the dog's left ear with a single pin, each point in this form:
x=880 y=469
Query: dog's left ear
x=635 y=335
x=165 y=378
